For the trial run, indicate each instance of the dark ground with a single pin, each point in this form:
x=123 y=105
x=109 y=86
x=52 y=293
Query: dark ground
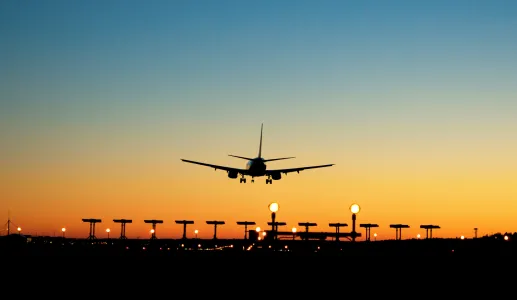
x=221 y=268
x=198 y=248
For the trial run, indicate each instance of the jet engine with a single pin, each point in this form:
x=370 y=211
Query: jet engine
x=232 y=174
x=276 y=175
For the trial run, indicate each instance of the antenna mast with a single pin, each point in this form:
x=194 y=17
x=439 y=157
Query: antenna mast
x=8 y=222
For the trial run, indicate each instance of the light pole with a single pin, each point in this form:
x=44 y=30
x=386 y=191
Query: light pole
x=108 y=231
x=273 y=207
x=63 y=231
x=375 y=236
x=258 y=229
x=19 y=230
x=196 y=232
x=294 y=232
x=354 y=208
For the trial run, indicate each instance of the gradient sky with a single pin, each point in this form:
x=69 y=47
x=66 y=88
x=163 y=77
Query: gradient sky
x=414 y=101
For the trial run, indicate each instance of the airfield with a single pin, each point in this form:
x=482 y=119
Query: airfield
x=20 y=245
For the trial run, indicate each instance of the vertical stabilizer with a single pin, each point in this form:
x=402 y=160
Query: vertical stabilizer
x=260 y=145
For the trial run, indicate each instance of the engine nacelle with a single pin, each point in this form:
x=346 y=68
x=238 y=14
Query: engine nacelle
x=232 y=174
x=276 y=175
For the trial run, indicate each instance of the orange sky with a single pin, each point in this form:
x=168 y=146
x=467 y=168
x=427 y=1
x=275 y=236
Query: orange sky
x=44 y=198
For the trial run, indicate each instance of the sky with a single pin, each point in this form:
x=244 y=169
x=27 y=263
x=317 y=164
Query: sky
x=413 y=101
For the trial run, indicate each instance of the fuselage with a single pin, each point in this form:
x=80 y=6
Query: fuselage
x=256 y=167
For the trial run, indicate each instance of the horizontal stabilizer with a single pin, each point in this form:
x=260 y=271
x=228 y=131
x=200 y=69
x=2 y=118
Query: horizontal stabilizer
x=240 y=157
x=272 y=159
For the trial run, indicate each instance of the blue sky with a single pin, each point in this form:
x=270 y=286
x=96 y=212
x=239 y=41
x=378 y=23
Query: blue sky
x=167 y=64
x=253 y=56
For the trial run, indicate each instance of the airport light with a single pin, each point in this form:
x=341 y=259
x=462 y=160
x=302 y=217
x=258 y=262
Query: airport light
x=368 y=227
x=462 y=237
x=398 y=230
x=418 y=236
x=273 y=207
x=337 y=226
x=123 y=223
x=63 y=231
x=257 y=229
x=305 y=235
x=374 y=236
x=245 y=223
x=108 y=231
x=429 y=230
x=354 y=208
x=153 y=230
x=215 y=223
x=92 y=222
x=294 y=232
x=19 y=230
x=506 y=238
x=184 y=222
x=196 y=232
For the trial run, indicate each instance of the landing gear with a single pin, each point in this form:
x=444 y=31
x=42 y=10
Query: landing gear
x=269 y=180
x=243 y=180
x=252 y=180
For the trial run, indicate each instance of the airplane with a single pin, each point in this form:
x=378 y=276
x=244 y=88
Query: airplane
x=256 y=167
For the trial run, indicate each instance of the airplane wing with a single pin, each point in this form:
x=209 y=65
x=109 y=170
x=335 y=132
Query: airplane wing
x=242 y=171
x=285 y=171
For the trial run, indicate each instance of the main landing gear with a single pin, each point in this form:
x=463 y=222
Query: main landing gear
x=269 y=180
x=243 y=179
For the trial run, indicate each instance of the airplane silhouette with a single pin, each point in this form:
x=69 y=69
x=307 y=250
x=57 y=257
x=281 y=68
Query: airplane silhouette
x=256 y=167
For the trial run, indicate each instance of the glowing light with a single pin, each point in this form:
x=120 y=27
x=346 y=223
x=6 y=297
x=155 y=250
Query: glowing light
x=257 y=229
x=462 y=237
x=354 y=208
x=273 y=207
x=293 y=230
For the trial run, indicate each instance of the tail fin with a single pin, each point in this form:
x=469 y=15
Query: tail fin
x=260 y=145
